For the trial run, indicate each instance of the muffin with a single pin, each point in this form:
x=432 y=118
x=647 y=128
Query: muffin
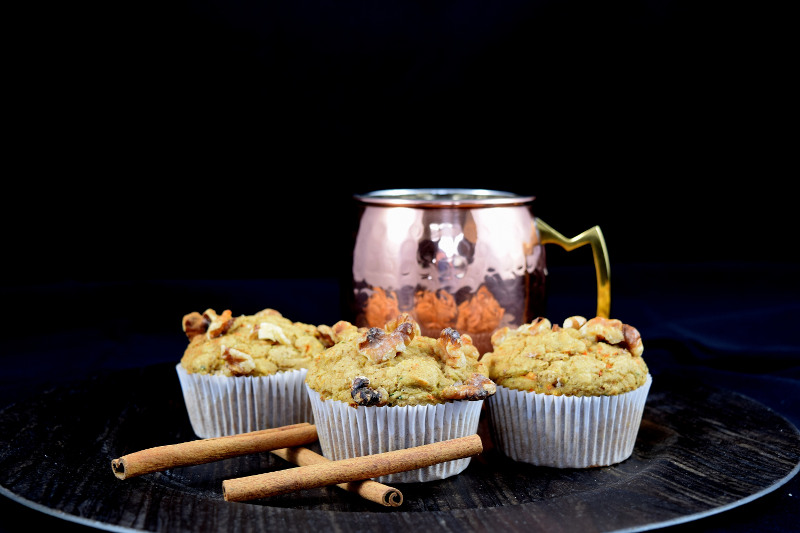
x=246 y=373
x=568 y=396
x=382 y=389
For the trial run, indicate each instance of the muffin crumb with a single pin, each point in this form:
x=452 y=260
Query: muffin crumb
x=261 y=344
x=595 y=357
x=397 y=366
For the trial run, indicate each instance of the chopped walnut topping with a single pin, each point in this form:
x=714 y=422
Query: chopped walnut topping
x=604 y=329
x=537 y=325
x=365 y=395
x=499 y=336
x=218 y=324
x=325 y=334
x=633 y=340
x=209 y=323
x=477 y=387
x=195 y=324
x=405 y=323
x=574 y=322
x=380 y=345
x=341 y=330
x=453 y=347
x=271 y=332
x=237 y=361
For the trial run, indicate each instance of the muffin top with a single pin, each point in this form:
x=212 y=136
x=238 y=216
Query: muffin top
x=249 y=345
x=598 y=357
x=397 y=366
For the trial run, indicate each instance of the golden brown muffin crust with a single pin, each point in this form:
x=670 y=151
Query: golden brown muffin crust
x=582 y=357
x=249 y=345
x=396 y=365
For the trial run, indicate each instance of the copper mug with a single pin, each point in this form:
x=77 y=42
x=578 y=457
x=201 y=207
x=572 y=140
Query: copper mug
x=470 y=259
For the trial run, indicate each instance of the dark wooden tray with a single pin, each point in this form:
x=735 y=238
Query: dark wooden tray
x=700 y=451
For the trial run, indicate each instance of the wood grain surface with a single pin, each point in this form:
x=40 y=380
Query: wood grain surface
x=700 y=451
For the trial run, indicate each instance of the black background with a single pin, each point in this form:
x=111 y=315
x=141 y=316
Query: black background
x=147 y=134
x=170 y=157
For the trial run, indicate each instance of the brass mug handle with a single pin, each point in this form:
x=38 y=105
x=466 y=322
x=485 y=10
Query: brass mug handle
x=594 y=237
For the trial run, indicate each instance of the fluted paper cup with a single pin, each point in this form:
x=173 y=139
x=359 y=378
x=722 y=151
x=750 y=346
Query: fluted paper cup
x=566 y=431
x=223 y=405
x=345 y=432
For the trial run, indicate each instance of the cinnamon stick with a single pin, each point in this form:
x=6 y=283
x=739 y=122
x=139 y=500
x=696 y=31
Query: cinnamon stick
x=214 y=449
x=348 y=470
x=367 y=489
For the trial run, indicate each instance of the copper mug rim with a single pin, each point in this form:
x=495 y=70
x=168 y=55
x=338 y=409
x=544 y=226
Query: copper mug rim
x=442 y=197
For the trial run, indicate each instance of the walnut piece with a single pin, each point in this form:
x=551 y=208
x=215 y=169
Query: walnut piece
x=330 y=335
x=237 y=361
x=365 y=395
x=453 y=347
x=613 y=331
x=218 y=324
x=380 y=345
x=195 y=324
x=271 y=332
x=537 y=325
x=633 y=340
x=209 y=323
x=405 y=323
x=603 y=329
x=574 y=322
x=499 y=336
x=326 y=335
x=477 y=387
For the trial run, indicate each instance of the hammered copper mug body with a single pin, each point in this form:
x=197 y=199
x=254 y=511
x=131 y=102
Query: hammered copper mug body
x=469 y=259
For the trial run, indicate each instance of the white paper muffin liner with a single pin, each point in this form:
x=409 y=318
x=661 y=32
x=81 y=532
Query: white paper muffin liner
x=222 y=405
x=345 y=432
x=566 y=431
